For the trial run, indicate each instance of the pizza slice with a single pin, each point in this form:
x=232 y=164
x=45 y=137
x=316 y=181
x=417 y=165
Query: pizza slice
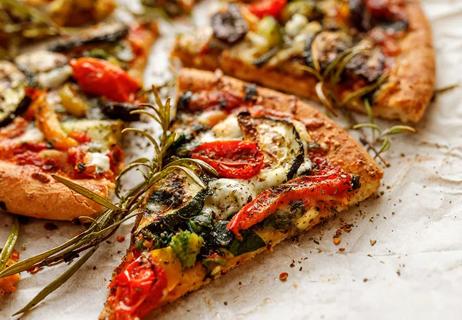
x=354 y=54
x=281 y=167
x=61 y=112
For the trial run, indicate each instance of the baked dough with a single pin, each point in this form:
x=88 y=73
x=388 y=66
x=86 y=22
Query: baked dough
x=404 y=96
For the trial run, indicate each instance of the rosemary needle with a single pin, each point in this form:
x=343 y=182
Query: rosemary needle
x=55 y=284
x=9 y=244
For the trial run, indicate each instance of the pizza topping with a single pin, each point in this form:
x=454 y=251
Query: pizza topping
x=186 y=246
x=321 y=187
x=138 y=288
x=47 y=121
x=107 y=33
x=72 y=101
x=280 y=143
x=229 y=26
x=99 y=77
x=326 y=46
x=210 y=99
x=14 y=99
x=368 y=64
x=266 y=8
x=231 y=158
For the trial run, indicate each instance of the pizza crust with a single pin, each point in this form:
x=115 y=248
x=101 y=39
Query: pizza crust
x=404 y=96
x=28 y=191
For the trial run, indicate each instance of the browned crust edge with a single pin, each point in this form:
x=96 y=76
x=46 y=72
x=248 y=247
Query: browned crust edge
x=405 y=96
x=27 y=191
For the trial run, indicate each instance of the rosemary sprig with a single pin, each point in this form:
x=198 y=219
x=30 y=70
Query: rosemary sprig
x=104 y=226
x=379 y=140
x=9 y=244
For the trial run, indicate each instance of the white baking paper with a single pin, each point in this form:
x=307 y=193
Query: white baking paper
x=414 y=270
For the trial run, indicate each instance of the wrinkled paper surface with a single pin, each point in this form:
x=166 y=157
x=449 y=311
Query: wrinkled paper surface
x=414 y=270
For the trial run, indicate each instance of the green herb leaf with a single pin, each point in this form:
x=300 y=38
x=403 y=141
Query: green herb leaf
x=9 y=244
x=86 y=192
x=56 y=283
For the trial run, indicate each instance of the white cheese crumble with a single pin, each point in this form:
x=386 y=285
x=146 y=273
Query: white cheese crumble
x=99 y=160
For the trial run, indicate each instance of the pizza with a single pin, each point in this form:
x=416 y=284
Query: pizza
x=281 y=167
x=62 y=110
x=348 y=54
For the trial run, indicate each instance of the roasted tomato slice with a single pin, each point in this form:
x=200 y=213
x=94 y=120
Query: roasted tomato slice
x=99 y=77
x=267 y=8
x=138 y=289
x=307 y=188
x=231 y=159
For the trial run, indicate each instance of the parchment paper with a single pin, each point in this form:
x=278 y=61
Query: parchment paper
x=402 y=258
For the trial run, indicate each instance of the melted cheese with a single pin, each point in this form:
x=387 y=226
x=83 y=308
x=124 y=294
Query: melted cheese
x=99 y=160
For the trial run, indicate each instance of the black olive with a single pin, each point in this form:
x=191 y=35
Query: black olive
x=229 y=26
x=119 y=110
x=108 y=34
x=368 y=65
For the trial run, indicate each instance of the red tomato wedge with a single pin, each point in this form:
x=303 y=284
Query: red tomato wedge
x=138 y=289
x=231 y=159
x=306 y=189
x=99 y=77
x=267 y=8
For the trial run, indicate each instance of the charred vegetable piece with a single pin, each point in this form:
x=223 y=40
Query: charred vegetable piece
x=99 y=77
x=308 y=189
x=277 y=139
x=119 y=110
x=366 y=14
x=111 y=33
x=232 y=159
x=326 y=46
x=229 y=26
x=172 y=202
x=368 y=65
x=13 y=98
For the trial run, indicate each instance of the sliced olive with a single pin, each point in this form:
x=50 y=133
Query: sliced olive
x=229 y=26
x=13 y=98
x=119 y=110
x=326 y=46
x=111 y=33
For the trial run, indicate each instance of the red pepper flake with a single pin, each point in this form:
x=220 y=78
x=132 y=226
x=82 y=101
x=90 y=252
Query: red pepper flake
x=337 y=240
x=40 y=177
x=120 y=238
x=283 y=276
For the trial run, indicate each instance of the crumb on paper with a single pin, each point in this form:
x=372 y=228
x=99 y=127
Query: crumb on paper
x=283 y=276
x=373 y=242
x=337 y=241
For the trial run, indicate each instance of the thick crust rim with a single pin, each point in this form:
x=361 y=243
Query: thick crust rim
x=25 y=190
